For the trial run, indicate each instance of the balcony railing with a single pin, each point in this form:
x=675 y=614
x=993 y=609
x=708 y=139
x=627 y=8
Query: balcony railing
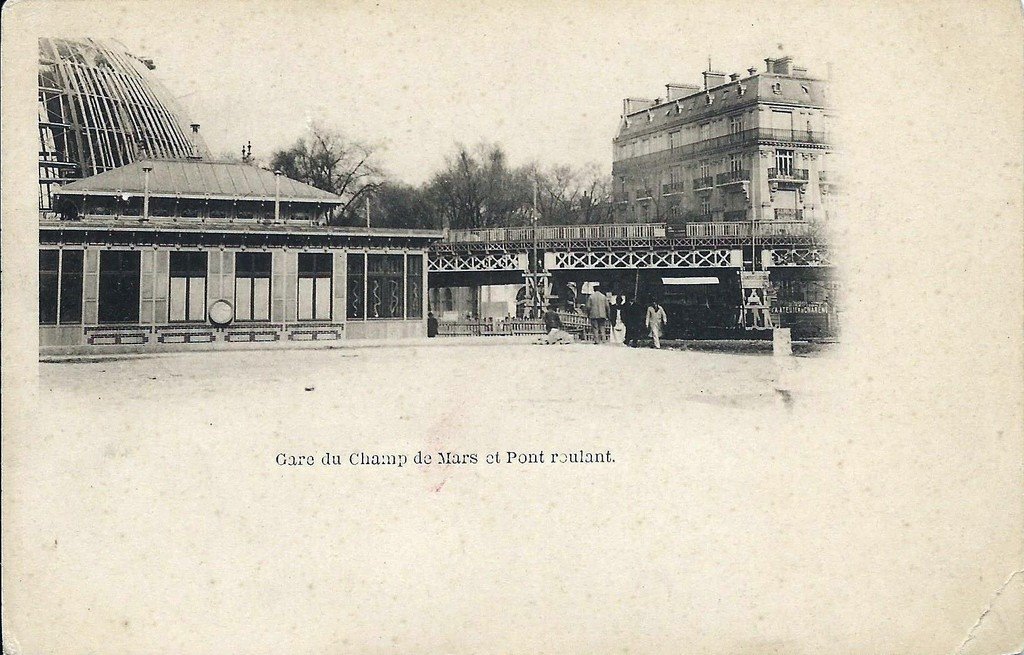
x=789 y=214
x=643 y=194
x=796 y=174
x=753 y=135
x=674 y=187
x=732 y=177
x=703 y=182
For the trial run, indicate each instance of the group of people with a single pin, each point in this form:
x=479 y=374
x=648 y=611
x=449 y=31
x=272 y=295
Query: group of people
x=627 y=319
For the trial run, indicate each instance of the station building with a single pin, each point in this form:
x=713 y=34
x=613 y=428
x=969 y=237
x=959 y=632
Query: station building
x=195 y=254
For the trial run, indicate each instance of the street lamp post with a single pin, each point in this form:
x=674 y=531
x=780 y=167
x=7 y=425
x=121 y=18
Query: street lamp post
x=536 y=262
x=145 y=192
x=276 y=197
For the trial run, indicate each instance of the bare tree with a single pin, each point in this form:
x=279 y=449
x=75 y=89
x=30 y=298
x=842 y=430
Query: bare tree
x=328 y=160
x=477 y=188
x=574 y=195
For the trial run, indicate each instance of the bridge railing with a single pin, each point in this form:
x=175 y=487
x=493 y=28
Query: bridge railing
x=631 y=231
x=743 y=229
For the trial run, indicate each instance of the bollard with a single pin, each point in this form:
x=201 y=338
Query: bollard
x=782 y=342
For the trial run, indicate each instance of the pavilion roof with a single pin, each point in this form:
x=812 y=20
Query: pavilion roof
x=201 y=179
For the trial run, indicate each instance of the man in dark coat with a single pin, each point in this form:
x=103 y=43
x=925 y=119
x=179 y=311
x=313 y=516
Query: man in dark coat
x=632 y=318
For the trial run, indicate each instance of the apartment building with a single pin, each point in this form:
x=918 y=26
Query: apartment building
x=737 y=148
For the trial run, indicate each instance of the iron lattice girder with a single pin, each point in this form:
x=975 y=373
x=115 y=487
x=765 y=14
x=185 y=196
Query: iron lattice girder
x=678 y=257
x=634 y=259
x=803 y=257
x=470 y=262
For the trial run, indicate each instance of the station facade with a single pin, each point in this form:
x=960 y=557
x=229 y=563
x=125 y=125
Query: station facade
x=191 y=254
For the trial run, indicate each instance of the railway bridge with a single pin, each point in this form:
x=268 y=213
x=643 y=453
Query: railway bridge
x=696 y=264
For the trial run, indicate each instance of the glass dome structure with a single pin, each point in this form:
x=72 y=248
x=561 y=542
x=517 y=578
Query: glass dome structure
x=100 y=108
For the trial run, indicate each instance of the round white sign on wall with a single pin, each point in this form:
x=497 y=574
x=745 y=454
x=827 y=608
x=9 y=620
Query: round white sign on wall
x=221 y=312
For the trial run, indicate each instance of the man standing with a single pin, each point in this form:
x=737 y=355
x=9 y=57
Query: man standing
x=656 y=321
x=597 y=310
x=631 y=315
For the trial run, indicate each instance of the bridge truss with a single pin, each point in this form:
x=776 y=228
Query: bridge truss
x=633 y=259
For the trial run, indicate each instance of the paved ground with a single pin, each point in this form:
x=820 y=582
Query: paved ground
x=151 y=515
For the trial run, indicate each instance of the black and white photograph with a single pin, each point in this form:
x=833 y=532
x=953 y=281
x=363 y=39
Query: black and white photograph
x=524 y=327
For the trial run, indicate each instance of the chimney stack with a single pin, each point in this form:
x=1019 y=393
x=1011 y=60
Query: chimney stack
x=675 y=91
x=780 y=66
x=633 y=105
x=734 y=76
x=752 y=70
x=195 y=144
x=713 y=79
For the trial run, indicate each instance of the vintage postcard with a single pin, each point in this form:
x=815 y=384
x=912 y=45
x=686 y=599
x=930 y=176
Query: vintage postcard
x=521 y=327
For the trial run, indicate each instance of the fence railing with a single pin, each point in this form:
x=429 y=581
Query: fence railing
x=572 y=323
x=559 y=233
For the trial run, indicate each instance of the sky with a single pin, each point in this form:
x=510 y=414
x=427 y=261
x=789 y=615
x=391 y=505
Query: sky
x=546 y=80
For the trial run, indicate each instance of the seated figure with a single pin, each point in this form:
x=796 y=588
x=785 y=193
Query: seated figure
x=553 y=324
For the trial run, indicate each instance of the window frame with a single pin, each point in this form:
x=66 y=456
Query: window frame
x=416 y=276
x=355 y=286
x=387 y=277
x=317 y=276
x=252 y=286
x=122 y=275
x=784 y=155
x=188 y=284
x=53 y=273
x=67 y=285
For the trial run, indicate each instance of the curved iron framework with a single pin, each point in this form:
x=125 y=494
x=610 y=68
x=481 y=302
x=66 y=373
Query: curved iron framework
x=100 y=108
